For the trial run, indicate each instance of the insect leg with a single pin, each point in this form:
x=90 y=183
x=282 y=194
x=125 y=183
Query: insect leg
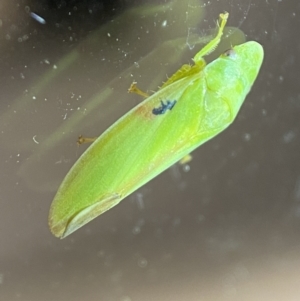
x=134 y=89
x=82 y=140
x=211 y=46
x=186 y=159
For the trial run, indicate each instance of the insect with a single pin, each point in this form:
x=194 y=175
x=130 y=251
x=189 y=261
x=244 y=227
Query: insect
x=141 y=145
x=164 y=107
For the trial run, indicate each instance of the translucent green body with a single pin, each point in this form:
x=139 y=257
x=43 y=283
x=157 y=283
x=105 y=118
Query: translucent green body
x=141 y=145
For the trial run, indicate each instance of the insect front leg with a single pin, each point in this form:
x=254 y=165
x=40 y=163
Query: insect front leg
x=212 y=45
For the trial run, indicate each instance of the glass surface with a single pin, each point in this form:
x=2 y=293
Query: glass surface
x=225 y=226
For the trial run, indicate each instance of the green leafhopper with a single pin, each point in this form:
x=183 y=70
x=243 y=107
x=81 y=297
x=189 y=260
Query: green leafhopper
x=194 y=105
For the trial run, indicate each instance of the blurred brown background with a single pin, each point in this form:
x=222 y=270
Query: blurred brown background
x=225 y=227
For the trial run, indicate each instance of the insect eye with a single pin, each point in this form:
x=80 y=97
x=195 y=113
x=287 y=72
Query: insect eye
x=230 y=53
